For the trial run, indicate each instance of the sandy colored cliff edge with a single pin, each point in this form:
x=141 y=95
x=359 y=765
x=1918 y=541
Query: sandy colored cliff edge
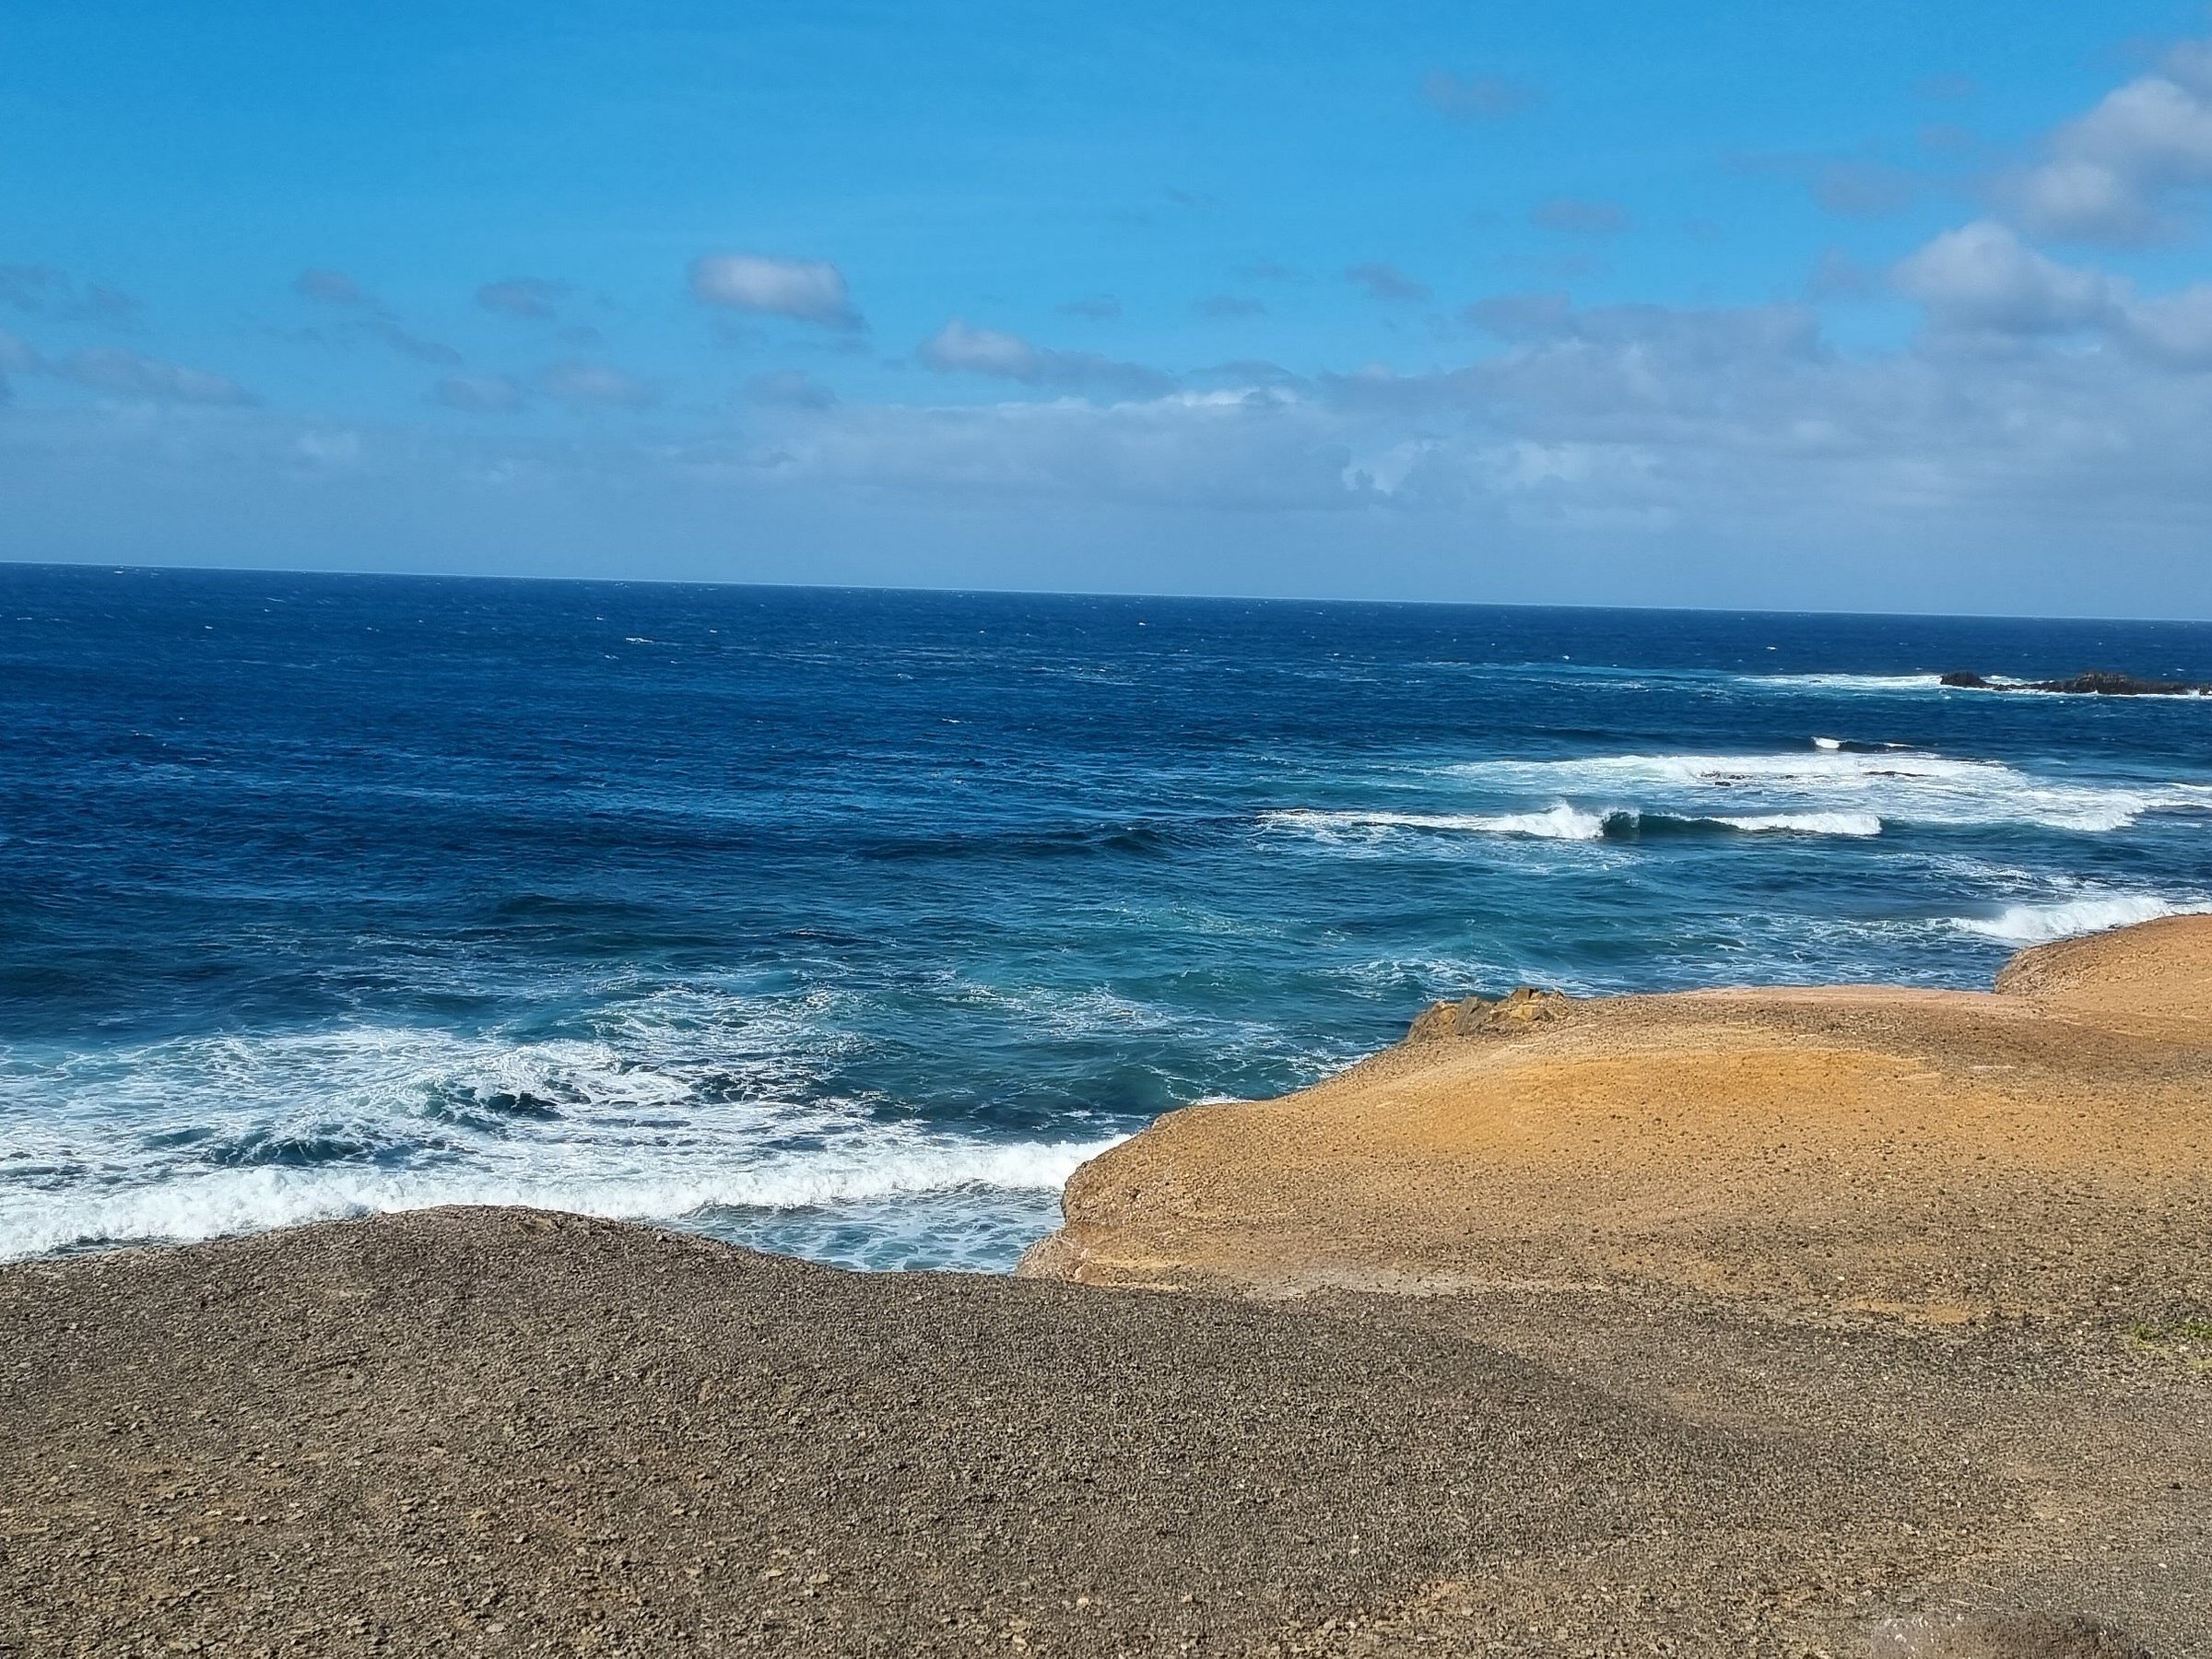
x=1979 y=1428
x=2042 y=1149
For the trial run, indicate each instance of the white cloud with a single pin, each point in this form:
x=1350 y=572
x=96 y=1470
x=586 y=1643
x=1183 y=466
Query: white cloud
x=2191 y=63
x=791 y=389
x=2113 y=175
x=1981 y=278
x=2175 y=329
x=122 y=373
x=807 y=290
x=584 y=384
x=331 y=288
x=1228 y=308
x=27 y=286
x=1386 y=282
x=478 y=393
x=2086 y=201
x=127 y=374
x=1637 y=421
x=532 y=296
x=37 y=288
x=373 y=320
x=1640 y=441
x=956 y=346
x=1224 y=451
x=384 y=331
x=961 y=349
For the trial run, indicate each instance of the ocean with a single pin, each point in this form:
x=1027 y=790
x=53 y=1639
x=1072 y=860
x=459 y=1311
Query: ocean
x=847 y=924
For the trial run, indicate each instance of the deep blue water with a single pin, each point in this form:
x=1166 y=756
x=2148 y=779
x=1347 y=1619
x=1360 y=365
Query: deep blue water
x=847 y=923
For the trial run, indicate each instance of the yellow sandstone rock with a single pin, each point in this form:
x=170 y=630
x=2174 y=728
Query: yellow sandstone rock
x=2043 y=1149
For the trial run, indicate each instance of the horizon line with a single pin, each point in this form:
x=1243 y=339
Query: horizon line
x=102 y=566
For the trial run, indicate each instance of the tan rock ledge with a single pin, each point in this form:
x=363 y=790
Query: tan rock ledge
x=2042 y=1150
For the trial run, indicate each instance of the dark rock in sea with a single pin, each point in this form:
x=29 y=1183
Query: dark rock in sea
x=2122 y=685
x=2093 y=684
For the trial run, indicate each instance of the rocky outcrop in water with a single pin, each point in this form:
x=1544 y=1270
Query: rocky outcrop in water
x=2094 y=684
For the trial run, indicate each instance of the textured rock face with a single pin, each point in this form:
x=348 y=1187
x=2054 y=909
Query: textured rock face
x=1476 y=1017
x=2042 y=1150
x=2093 y=684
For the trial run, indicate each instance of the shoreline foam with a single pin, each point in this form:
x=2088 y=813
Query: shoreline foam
x=1855 y=1321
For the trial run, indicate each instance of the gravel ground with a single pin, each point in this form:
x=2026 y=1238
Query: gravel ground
x=503 y=1432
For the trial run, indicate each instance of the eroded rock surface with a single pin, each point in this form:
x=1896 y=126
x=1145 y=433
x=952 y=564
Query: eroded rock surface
x=2042 y=1150
x=1864 y=1323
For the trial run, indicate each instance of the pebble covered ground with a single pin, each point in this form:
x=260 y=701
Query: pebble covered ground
x=508 y=1432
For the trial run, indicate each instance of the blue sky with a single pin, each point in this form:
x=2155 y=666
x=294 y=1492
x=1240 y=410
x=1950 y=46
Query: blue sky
x=1872 y=305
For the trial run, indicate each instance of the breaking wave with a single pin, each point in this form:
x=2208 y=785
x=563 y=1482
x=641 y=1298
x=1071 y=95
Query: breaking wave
x=219 y=1202
x=2009 y=684
x=2033 y=924
x=1563 y=822
x=1896 y=786
x=1850 y=682
x=1806 y=823
x=238 y=1134
x=1560 y=823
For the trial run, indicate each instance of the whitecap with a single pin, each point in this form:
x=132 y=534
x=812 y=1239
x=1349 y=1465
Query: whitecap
x=204 y=1204
x=1849 y=682
x=1898 y=786
x=687 y=1101
x=2040 y=923
x=1806 y=823
x=1560 y=822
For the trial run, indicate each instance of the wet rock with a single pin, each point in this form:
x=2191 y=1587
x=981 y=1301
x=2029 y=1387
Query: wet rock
x=2097 y=683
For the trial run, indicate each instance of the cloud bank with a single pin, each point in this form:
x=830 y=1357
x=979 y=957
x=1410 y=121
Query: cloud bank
x=2028 y=394
x=806 y=290
x=2125 y=172
x=958 y=349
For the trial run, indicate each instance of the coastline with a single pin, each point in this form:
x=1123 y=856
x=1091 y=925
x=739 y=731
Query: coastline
x=1836 y=1341
x=2042 y=1150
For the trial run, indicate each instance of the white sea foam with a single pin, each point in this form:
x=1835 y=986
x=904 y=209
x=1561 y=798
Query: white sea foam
x=1827 y=743
x=208 y=1204
x=2038 y=924
x=1898 y=786
x=1808 y=823
x=690 y=1101
x=1561 y=822
x=1850 y=682
x=1918 y=682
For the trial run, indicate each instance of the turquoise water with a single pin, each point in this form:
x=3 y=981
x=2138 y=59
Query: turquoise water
x=848 y=923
